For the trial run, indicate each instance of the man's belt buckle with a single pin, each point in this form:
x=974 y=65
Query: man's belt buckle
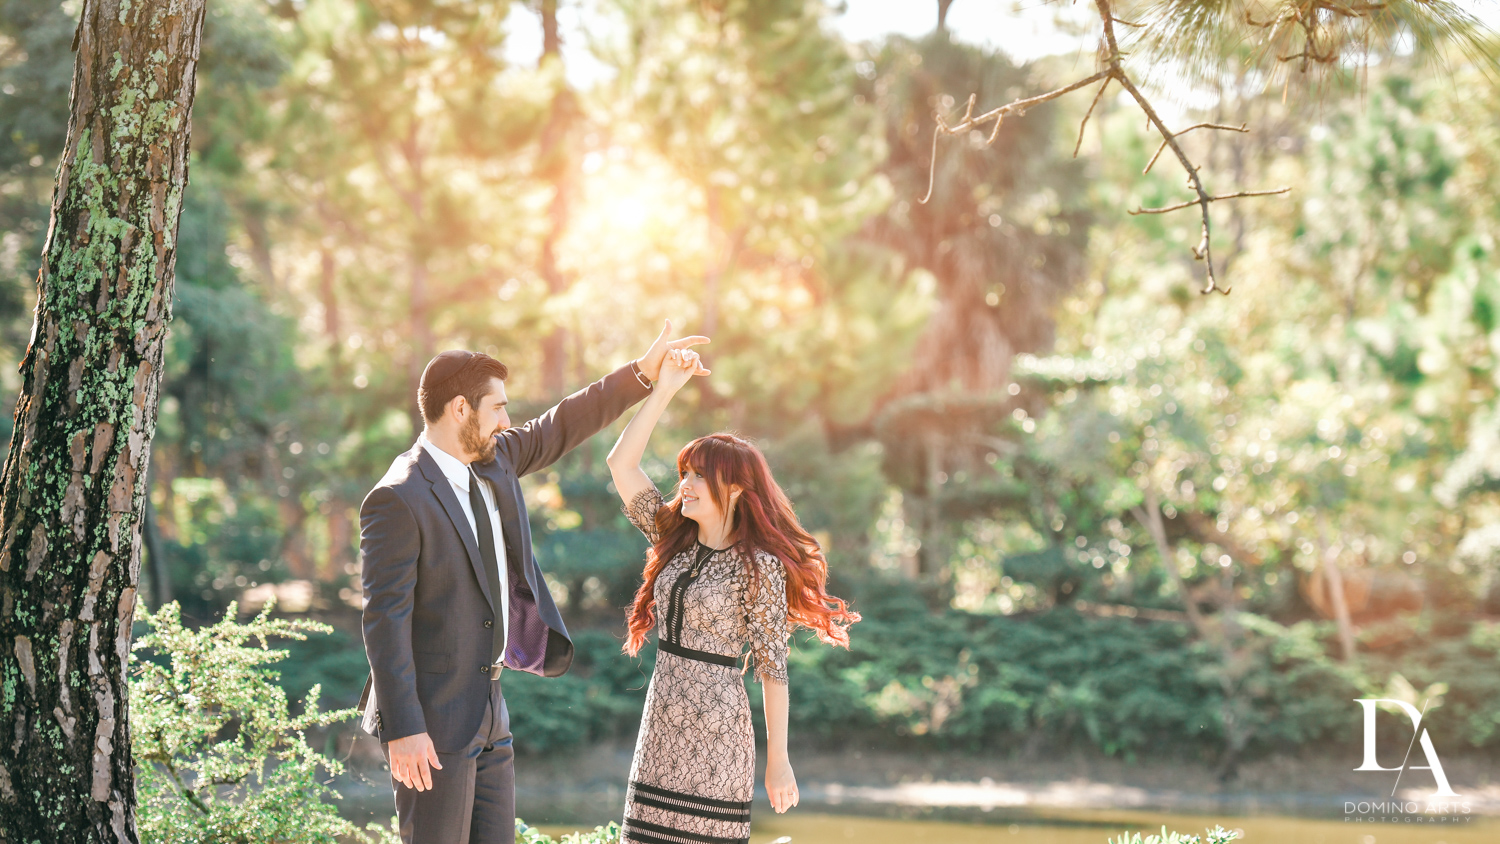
x=495 y=671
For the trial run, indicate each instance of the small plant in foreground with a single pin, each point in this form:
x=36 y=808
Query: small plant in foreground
x=607 y=834
x=1217 y=835
x=220 y=758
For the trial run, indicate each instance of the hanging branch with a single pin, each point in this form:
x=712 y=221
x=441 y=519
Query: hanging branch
x=1114 y=70
x=1090 y=113
x=1191 y=202
x=1306 y=32
x=1152 y=162
x=1018 y=108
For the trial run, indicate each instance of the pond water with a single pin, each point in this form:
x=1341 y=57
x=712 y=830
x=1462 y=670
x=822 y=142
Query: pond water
x=820 y=823
x=1099 y=827
x=1084 y=827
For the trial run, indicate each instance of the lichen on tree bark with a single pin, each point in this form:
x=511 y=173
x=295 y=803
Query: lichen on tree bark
x=72 y=490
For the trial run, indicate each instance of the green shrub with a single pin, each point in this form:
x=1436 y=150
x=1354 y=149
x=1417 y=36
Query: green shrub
x=335 y=663
x=607 y=834
x=220 y=760
x=1467 y=661
x=915 y=679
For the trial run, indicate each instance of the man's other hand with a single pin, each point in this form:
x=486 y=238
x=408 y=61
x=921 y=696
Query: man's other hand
x=410 y=757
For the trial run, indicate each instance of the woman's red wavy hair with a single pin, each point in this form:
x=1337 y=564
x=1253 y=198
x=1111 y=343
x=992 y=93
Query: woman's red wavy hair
x=763 y=521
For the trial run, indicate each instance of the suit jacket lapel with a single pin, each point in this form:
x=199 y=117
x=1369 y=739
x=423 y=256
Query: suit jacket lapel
x=443 y=489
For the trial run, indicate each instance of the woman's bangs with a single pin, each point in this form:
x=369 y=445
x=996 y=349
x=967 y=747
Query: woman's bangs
x=708 y=457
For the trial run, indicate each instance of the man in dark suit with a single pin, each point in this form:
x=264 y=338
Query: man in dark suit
x=453 y=593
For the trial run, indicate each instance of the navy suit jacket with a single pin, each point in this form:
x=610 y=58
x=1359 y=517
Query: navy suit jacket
x=428 y=607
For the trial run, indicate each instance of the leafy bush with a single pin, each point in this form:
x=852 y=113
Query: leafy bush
x=1467 y=665
x=607 y=834
x=916 y=679
x=960 y=680
x=336 y=663
x=220 y=759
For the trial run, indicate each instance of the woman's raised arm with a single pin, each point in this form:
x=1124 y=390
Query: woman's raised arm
x=625 y=458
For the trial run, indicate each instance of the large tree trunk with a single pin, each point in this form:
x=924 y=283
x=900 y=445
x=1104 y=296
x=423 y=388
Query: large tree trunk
x=73 y=487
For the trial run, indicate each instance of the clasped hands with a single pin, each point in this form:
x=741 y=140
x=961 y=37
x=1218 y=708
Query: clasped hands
x=679 y=367
x=671 y=363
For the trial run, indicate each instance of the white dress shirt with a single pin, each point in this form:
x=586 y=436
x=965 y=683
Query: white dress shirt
x=458 y=474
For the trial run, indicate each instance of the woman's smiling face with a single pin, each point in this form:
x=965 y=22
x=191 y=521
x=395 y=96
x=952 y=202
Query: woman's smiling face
x=697 y=503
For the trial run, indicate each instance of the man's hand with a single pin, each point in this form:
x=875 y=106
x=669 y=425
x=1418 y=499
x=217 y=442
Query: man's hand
x=410 y=757
x=650 y=362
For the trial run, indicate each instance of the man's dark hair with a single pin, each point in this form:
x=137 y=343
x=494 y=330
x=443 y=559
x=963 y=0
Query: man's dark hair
x=453 y=374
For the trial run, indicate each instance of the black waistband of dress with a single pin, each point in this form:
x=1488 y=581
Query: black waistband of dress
x=701 y=656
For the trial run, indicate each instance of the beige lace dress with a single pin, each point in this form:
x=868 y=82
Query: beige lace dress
x=694 y=768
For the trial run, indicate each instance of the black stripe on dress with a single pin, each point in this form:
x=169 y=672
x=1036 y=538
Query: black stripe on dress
x=642 y=837
x=631 y=835
x=634 y=828
x=702 y=656
x=675 y=603
x=711 y=814
x=690 y=798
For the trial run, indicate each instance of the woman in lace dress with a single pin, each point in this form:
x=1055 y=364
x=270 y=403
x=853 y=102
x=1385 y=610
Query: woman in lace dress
x=729 y=565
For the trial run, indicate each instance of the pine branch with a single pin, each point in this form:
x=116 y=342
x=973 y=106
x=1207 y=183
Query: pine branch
x=1087 y=115
x=1181 y=205
x=1152 y=162
x=1018 y=108
x=1111 y=57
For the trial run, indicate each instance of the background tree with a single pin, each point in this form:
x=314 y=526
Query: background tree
x=35 y=115
x=1003 y=246
x=76 y=471
x=557 y=163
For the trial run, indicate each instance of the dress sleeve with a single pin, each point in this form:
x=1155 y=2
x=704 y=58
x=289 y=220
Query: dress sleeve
x=766 y=618
x=642 y=512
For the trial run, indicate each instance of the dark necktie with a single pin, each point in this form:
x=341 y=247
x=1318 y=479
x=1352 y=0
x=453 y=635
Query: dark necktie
x=486 y=533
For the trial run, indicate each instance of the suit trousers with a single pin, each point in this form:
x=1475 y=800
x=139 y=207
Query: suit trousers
x=473 y=797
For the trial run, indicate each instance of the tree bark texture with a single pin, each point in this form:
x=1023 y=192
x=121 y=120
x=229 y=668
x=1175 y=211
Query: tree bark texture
x=74 y=482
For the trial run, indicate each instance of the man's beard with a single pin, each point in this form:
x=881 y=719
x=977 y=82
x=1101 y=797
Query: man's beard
x=474 y=442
